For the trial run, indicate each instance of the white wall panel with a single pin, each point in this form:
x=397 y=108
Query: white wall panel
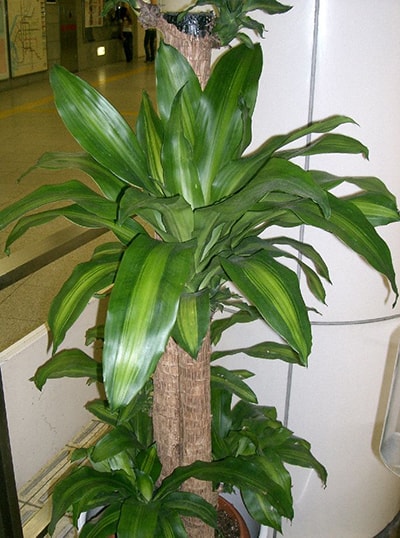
x=338 y=403
x=41 y=423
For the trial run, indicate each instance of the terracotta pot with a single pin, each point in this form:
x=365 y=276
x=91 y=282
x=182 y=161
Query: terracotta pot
x=225 y=505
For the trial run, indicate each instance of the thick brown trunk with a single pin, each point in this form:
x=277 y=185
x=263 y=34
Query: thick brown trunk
x=197 y=50
x=182 y=407
x=182 y=419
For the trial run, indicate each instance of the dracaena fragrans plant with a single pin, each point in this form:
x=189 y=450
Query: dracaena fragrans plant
x=191 y=209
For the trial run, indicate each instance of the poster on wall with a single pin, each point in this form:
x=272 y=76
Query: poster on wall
x=93 y=10
x=27 y=33
x=4 y=72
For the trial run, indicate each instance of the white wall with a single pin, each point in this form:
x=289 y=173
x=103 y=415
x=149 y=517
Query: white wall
x=41 y=423
x=338 y=403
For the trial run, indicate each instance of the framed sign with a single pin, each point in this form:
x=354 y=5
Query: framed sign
x=27 y=33
x=93 y=10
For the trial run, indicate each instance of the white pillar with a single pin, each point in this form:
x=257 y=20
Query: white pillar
x=338 y=403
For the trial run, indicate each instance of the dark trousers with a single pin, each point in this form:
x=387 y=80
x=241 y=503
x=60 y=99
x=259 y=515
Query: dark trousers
x=150 y=44
x=127 y=41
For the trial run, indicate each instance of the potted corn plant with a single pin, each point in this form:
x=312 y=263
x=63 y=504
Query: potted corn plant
x=192 y=211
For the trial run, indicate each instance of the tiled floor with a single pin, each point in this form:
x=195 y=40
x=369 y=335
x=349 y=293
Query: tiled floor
x=30 y=126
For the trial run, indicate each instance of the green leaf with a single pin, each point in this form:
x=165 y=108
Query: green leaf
x=252 y=244
x=149 y=463
x=171 y=526
x=268 y=6
x=87 y=279
x=112 y=443
x=251 y=472
x=376 y=208
x=173 y=72
x=192 y=322
x=180 y=172
x=374 y=199
x=296 y=451
x=261 y=510
x=277 y=175
x=237 y=173
x=228 y=380
x=274 y=291
x=218 y=326
x=141 y=314
x=150 y=134
x=68 y=363
x=305 y=250
x=263 y=350
x=105 y=526
x=349 y=224
x=99 y=128
x=52 y=194
x=221 y=402
x=138 y=519
x=368 y=184
x=76 y=215
x=329 y=143
x=110 y=184
x=172 y=218
x=87 y=488
x=101 y=410
x=191 y=505
x=220 y=129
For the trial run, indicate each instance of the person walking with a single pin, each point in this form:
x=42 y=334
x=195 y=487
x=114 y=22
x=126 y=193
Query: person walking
x=150 y=44
x=125 y=23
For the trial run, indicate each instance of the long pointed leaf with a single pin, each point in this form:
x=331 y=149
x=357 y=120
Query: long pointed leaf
x=329 y=143
x=275 y=292
x=269 y=6
x=180 y=172
x=171 y=525
x=232 y=84
x=103 y=527
x=68 y=363
x=349 y=224
x=192 y=321
x=138 y=519
x=251 y=472
x=173 y=71
x=237 y=173
x=50 y=194
x=230 y=381
x=99 y=128
x=114 y=442
x=87 y=486
x=86 y=280
x=263 y=350
x=76 y=215
x=110 y=184
x=141 y=314
x=189 y=504
x=261 y=509
x=150 y=133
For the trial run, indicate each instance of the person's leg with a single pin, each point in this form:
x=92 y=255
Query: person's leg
x=153 y=35
x=147 y=45
x=128 y=46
